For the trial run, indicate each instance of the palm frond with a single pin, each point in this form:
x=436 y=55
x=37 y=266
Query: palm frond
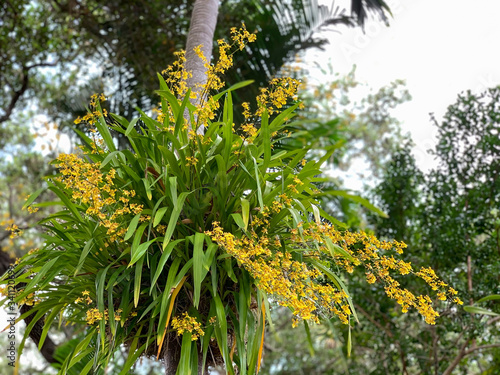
x=361 y=8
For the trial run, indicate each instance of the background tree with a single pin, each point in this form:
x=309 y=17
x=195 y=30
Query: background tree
x=361 y=132
x=366 y=125
x=464 y=192
x=449 y=218
x=400 y=195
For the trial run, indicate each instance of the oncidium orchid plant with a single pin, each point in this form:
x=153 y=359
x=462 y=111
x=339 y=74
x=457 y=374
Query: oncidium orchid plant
x=186 y=240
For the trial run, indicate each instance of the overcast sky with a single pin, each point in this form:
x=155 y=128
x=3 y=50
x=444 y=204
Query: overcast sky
x=440 y=47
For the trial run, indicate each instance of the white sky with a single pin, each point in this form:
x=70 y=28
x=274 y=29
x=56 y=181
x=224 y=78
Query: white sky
x=440 y=47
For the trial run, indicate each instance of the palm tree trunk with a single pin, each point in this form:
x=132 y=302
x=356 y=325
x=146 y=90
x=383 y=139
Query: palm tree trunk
x=201 y=32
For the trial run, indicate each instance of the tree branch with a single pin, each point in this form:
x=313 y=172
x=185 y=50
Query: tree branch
x=16 y=96
x=42 y=65
x=493 y=320
x=373 y=321
x=201 y=32
x=480 y=347
x=462 y=353
x=457 y=359
x=389 y=334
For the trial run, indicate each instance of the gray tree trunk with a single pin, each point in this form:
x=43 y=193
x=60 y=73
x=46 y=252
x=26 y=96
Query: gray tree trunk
x=201 y=32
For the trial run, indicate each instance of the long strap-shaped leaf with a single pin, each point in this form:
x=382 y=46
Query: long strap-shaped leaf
x=259 y=358
x=174 y=216
x=170 y=308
